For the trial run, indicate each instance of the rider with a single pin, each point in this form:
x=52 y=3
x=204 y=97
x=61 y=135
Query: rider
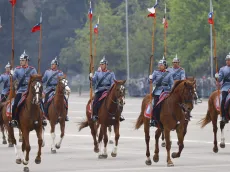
x=5 y=78
x=102 y=80
x=224 y=75
x=51 y=79
x=162 y=82
x=22 y=74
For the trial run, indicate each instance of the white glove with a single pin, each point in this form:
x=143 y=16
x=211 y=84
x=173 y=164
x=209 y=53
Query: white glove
x=150 y=77
x=216 y=75
x=11 y=72
x=90 y=75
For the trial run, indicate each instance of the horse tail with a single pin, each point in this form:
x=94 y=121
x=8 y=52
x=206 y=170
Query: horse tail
x=83 y=124
x=140 y=121
x=204 y=121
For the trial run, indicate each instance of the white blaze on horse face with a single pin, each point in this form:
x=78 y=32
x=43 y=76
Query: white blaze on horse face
x=37 y=88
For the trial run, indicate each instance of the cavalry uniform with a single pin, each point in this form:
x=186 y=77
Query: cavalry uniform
x=162 y=82
x=22 y=75
x=51 y=79
x=102 y=81
x=5 y=79
x=177 y=73
x=224 y=77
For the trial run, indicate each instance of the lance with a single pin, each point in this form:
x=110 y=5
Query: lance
x=91 y=67
x=165 y=29
x=40 y=46
x=13 y=2
x=0 y=22
x=96 y=27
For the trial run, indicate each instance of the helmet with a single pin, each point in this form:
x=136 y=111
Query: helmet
x=24 y=56
x=55 y=61
x=227 y=57
x=8 y=65
x=176 y=59
x=104 y=61
x=163 y=61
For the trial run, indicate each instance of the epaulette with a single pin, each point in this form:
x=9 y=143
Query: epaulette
x=181 y=68
x=18 y=67
x=31 y=67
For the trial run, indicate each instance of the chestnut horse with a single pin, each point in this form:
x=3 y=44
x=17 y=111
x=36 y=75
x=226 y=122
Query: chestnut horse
x=4 y=120
x=212 y=116
x=109 y=114
x=30 y=118
x=57 y=111
x=171 y=117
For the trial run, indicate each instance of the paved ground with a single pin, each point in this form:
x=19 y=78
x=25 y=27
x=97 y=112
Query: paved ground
x=76 y=153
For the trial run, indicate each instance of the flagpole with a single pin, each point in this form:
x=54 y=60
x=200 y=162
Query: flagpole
x=95 y=44
x=165 y=41
x=211 y=46
x=40 y=48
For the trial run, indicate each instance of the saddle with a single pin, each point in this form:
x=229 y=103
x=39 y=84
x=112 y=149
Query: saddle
x=20 y=103
x=103 y=96
x=149 y=108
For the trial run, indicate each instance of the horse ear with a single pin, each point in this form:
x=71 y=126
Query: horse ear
x=123 y=82
x=115 y=81
x=185 y=84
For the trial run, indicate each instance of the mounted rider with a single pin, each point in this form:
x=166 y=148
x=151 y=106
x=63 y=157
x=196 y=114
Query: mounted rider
x=51 y=79
x=5 y=78
x=102 y=80
x=22 y=74
x=162 y=82
x=224 y=77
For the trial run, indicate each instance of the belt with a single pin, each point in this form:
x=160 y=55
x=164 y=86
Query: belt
x=51 y=85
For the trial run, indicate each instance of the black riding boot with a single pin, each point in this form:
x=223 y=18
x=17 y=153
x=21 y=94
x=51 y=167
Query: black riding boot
x=223 y=112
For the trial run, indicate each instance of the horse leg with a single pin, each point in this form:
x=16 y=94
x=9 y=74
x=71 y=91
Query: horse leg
x=214 y=125
x=180 y=136
x=20 y=136
x=168 y=147
x=11 y=138
x=27 y=150
x=52 y=132
x=39 y=136
x=43 y=136
x=117 y=136
x=100 y=137
x=62 y=126
x=147 y=139
x=163 y=139
x=105 y=139
x=3 y=135
x=94 y=134
x=157 y=136
x=222 y=143
x=110 y=130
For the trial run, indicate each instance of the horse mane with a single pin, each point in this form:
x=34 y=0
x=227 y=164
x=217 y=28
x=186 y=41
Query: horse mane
x=176 y=85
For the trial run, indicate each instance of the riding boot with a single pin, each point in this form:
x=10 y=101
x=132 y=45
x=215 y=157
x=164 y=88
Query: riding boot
x=223 y=111
x=13 y=123
x=95 y=113
x=122 y=118
x=66 y=118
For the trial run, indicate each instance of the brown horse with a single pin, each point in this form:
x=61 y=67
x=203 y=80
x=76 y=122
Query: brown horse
x=4 y=120
x=109 y=114
x=187 y=115
x=171 y=117
x=212 y=116
x=30 y=118
x=57 y=111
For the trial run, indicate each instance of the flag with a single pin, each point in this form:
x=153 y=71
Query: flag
x=96 y=27
x=166 y=24
x=0 y=22
x=210 y=19
x=13 y=2
x=37 y=27
x=152 y=10
x=90 y=13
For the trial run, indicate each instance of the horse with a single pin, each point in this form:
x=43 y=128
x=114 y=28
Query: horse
x=187 y=115
x=180 y=97
x=30 y=118
x=4 y=120
x=109 y=114
x=212 y=116
x=57 y=111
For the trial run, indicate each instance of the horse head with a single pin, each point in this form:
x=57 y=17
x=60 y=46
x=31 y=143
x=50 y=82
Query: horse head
x=63 y=85
x=187 y=95
x=119 y=86
x=35 y=86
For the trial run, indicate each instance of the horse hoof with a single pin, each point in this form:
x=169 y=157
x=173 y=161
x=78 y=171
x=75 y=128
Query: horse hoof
x=110 y=142
x=4 y=142
x=96 y=149
x=163 y=144
x=18 y=161
x=53 y=151
x=38 y=160
x=58 y=147
x=113 y=154
x=174 y=155
x=222 y=145
x=26 y=169
x=156 y=158
x=20 y=140
x=102 y=156
x=170 y=164
x=148 y=162
x=215 y=149
x=10 y=145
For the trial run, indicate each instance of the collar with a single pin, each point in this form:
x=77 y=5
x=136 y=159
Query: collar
x=104 y=70
x=25 y=67
x=163 y=70
x=54 y=69
x=176 y=67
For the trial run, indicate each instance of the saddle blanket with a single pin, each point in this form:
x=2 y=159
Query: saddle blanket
x=218 y=102
x=149 y=108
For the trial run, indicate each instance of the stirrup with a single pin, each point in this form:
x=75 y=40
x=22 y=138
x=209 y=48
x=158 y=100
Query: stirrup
x=95 y=118
x=66 y=118
x=152 y=123
x=13 y=123
x=122 y=118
